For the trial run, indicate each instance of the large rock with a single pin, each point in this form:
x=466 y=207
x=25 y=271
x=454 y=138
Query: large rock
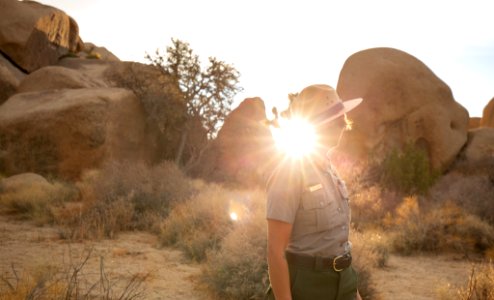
x=34 y=35
x=404 y=102
x=63 y=132
x=243 y=149
x=55 y=77
x=488 y=115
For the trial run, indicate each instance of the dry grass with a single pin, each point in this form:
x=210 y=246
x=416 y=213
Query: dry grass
x=121 y=197
x=370 y=249
x=479 y=286
x=36 y=202
x=70 y=282
x=238 y=270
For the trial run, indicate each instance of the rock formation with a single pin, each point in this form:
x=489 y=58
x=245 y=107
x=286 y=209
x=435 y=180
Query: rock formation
x=243 y=149
x=474 y=122
x=488 y=115
x=404 y=102
x=34 y=35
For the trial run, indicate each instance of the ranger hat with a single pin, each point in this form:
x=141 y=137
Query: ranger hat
x=319 y=103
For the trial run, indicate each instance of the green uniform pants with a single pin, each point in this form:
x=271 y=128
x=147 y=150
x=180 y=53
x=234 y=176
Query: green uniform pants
x=308 y=284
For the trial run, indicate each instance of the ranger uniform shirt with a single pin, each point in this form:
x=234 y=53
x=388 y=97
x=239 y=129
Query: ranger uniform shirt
x=314 y=200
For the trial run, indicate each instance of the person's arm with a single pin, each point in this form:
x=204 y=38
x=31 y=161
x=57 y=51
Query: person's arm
x=358 y=296
x=278 y=237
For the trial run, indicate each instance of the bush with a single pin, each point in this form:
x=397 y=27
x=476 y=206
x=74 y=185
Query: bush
x=121 y=197
x=408 y=171
x=472 y=192
x=369 y=250
x=200 y=224
x=371 y=204
x=442 y=228
x=238 y=270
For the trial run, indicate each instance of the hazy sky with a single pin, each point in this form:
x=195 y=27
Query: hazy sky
x=280 y=47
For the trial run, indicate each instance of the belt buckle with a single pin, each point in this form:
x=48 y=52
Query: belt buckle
x=334 y=263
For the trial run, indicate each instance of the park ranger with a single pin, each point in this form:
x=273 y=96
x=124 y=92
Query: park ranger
x=308 y=214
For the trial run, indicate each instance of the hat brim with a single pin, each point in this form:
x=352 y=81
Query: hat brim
x=324 y=118
x=347 y=106
x=351 y=104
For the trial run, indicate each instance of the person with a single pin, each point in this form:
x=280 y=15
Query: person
x=308 y=213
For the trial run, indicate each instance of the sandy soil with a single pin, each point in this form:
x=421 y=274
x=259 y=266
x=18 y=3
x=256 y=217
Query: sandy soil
x=420 y=277
x=29 y=248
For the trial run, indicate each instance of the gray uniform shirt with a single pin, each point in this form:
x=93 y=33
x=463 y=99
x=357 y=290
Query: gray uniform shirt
x=315 y=201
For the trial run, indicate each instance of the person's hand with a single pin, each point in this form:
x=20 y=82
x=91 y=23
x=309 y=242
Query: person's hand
x=358 y=296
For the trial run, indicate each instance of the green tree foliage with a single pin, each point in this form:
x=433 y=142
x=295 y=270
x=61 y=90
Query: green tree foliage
x=408 y=170
x=208 y=94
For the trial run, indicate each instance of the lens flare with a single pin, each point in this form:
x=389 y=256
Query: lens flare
x=234 y=216
x=295 y=137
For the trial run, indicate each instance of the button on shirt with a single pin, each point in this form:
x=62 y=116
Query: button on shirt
x=315 y=201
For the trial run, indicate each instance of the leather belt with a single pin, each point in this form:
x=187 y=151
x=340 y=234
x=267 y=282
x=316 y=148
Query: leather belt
x=337 y=263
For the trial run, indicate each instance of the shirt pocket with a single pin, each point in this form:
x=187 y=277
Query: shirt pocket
x=317 y=212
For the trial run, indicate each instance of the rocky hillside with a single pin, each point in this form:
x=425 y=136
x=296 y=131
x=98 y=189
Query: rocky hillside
x=67 y=106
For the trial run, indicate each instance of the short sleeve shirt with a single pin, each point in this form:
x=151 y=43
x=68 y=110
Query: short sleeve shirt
x=315 y=201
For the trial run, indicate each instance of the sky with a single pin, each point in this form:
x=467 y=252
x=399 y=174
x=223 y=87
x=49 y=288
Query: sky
x=281 y=46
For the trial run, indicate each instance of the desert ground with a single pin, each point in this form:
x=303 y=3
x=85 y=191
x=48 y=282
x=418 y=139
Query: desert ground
x=25 y=247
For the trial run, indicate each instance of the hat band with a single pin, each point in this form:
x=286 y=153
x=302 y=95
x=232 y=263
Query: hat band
x=334 y=110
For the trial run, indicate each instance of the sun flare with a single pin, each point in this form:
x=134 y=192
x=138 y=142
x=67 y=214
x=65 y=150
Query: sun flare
x=295 y=137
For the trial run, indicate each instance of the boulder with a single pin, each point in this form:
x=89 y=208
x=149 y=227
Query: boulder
x=90 y=50
x=474 y=122
x=17 y=183
x=404 y=102
x=488 y=115
x=92 y=68
x=33 y=35
x=55 y=77
x=10 y=77
x=480 y=145
x=160 y=96
x=63 y=132
x=242 y=150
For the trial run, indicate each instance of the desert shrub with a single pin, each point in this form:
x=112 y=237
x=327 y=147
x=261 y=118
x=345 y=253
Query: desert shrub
x=371 y=204
x=441 y=228
x=121 y=197
x=200 y=223
x=479 y=286
x=70 y=282
x=370 y=249
x=238 y=270
x=37 y=202
x=471 y=191
x=408 y=170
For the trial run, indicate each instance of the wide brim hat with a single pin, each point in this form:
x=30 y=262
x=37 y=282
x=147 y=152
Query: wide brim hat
x=319 y=103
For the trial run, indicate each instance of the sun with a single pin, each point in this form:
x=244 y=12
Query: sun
x=295 y=137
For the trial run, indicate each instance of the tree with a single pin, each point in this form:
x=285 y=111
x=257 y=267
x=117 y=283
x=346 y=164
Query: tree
x=208 y=94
